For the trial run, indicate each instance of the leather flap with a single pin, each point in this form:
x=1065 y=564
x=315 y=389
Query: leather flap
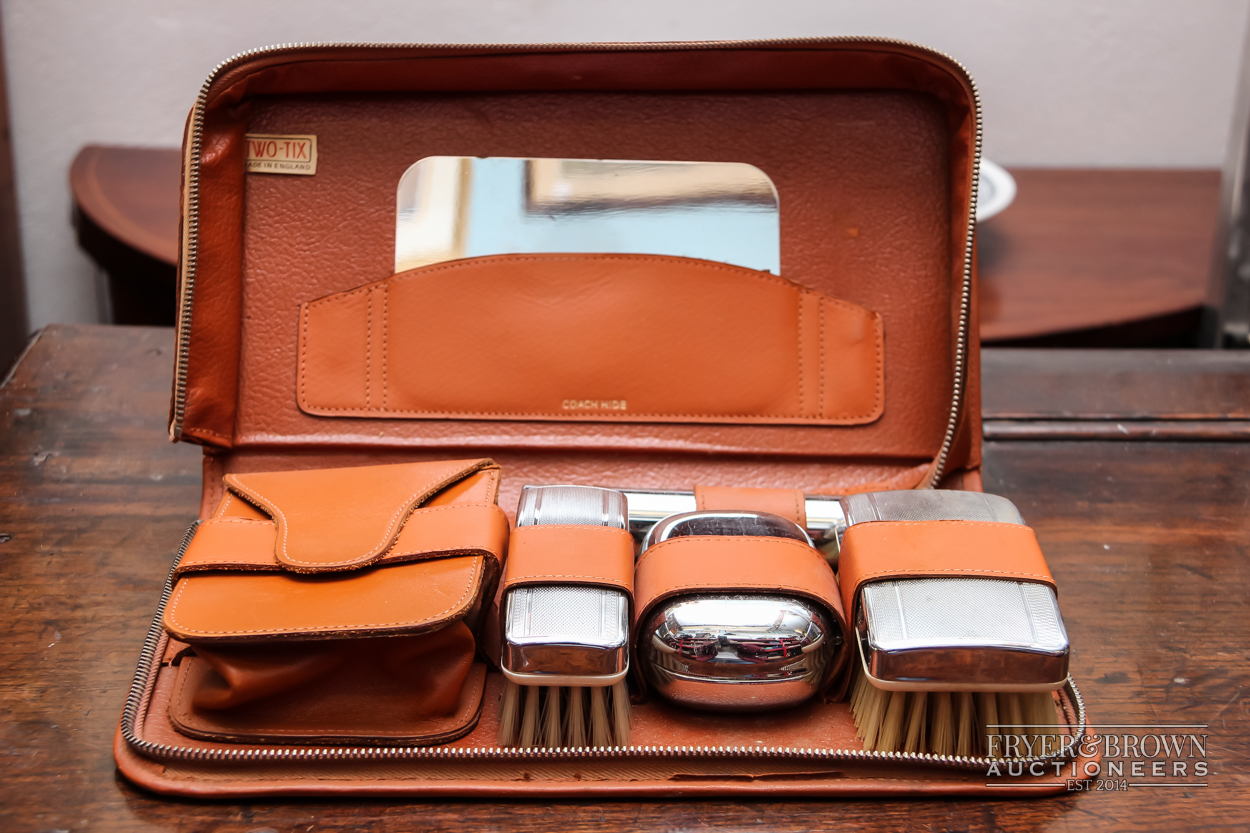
x=404 y=598
x=438 y=560
x=881 y=550
x=343 y=519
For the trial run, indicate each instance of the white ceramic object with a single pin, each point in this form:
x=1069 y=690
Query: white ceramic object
x=995 y=191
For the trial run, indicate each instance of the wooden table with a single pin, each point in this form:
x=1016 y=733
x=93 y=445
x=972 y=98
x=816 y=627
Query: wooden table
x=1146 y=530
x=1083 y=250
x=1078 y=250
x=126 y=202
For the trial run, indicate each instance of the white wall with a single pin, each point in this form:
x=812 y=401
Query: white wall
x=1065 y=82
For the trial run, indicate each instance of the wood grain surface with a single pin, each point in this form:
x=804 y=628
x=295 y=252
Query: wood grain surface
x=1148 y=541
x=131 y=193
x=1086 y=249
x=1139 y=394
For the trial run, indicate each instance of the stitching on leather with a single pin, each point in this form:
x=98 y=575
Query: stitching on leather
x=205 y=431
x=391 y=530
x=408 y=504
x=820 y=406
x=386 y=323
x=998 y=524
x=303 y=355
x=878 y=343
x=182 y=585
x=926 y=571
x=527 y=578
x=221 y=509
x=599 y=416
x=799 y=350
x=800 y=511
x=368 y=344
x=469 y=550
x=763 y=276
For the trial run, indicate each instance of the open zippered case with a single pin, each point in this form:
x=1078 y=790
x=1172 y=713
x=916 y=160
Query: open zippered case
x=299 y=348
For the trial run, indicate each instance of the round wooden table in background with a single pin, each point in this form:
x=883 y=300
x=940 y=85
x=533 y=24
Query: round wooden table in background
x=126 y=218
x=1078 y=252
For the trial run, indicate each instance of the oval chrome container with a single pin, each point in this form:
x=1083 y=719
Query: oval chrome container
x=737 y=652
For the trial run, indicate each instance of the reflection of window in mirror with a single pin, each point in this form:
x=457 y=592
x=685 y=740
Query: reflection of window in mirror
x=453 y=207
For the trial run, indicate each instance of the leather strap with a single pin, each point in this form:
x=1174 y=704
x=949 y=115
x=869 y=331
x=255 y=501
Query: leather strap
x=601 y=556
x=232 y=543
x=729 y=563
x=342 y=519
x=883 y=550
x=788 y=503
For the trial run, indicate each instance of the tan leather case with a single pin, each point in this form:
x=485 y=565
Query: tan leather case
x=855 y=369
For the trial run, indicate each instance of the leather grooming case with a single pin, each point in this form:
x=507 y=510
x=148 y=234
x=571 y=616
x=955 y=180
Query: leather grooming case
x=855 y=369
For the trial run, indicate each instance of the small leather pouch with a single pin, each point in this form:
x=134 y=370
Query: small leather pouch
x=338 y=605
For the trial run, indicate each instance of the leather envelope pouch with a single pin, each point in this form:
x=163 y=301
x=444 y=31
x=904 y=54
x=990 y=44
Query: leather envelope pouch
x=598 y=337
x=338 y=605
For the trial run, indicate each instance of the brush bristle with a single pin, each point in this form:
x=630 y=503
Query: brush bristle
x=551 y=717
x=621 y=716
x=509 y=713
x=600 y=731
x=952 y=723
x=529 y=719
x=556 y=718
x=575 y=722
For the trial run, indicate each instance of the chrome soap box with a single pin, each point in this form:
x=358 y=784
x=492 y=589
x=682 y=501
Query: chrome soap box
x=735 y=652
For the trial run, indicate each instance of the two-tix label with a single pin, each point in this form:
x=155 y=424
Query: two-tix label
x=272 y=154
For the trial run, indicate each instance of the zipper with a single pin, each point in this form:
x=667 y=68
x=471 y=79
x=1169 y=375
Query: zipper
x=154 y=647
x=186 y=285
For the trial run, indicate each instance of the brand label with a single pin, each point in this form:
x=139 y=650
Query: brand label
x=281 y=154
x=594 y=404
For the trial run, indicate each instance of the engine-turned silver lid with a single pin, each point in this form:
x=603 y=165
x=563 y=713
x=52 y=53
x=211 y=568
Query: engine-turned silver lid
x=567 y=634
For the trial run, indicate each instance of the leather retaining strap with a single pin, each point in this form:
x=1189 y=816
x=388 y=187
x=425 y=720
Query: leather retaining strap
x=602 y=556
x=788 y=503
x=882 y=550
x=346 y=518
x=232 y=543
x=728 y=563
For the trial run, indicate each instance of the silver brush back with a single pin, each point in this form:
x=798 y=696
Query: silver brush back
x=958 y=633
x=585 y=505
x=928 y=505
x=567 y=634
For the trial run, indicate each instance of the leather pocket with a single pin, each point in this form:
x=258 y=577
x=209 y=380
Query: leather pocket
x=338 y=605
x=630 y=338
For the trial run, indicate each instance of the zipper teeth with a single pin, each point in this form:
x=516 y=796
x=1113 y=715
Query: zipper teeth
x=189 y=255
x=965 y=298
x=154 y=645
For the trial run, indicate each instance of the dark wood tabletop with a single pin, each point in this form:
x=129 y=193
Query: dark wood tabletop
x=1146 y=532
x=1077 y=250
x=131 y=193
x=1090 y=249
